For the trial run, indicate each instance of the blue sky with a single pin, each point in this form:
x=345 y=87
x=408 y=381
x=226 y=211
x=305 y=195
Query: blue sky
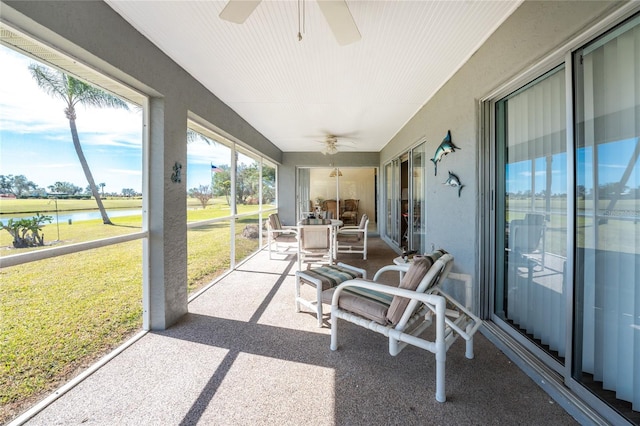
x=35 y=139
x=613 y=159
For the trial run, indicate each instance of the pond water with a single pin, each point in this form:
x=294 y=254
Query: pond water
x=78 y=215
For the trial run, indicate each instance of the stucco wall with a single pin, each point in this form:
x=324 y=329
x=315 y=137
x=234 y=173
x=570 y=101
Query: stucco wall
x=534 y=30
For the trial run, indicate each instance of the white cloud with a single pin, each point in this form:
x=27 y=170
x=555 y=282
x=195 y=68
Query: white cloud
x=42 y=150
x=25 y=108
x=126 y=172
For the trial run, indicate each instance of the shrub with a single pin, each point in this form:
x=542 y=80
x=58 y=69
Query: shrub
x=26 y=232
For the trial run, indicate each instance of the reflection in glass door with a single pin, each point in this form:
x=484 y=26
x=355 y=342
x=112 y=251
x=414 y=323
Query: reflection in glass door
x=552 y=253
x=607 y=306
x=531 y=212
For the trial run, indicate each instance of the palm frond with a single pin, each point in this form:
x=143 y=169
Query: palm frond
x=52 y=82
x=73 y=91
x=92 y=96
x=193 y=136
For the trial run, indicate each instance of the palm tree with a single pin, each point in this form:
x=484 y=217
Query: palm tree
x=102 y=185
x=73 y=92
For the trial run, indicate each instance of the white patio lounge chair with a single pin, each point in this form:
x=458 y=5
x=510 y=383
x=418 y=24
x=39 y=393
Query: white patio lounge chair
x=403 y=313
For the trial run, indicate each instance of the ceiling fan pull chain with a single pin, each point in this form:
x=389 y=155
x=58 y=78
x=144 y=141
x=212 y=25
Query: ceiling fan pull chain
x=301 y=19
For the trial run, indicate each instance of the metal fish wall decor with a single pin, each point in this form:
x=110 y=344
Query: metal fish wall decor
x=445 y=147
x=454 y=181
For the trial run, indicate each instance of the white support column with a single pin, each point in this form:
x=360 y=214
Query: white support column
x=167 y=268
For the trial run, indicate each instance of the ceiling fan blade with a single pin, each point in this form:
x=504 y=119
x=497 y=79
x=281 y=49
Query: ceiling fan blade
x=339 y=18
x=239 y=10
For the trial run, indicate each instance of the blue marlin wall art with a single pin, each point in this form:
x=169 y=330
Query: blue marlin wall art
x=445 y=147
x=454 y=181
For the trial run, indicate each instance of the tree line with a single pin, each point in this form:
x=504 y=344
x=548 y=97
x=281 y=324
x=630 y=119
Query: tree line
x=21 y=187
x=247 y=185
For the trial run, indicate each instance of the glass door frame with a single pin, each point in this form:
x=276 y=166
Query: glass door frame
x=538 y=364
x=391 y=211
x=495 y=247
x=393 y=198
x=417 y=216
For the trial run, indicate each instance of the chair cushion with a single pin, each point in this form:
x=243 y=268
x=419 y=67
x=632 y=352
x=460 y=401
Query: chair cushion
x=286 y=238
x=366 y=303
x=411 y=280
x=274 y=222
x=316 y=222
x=349 y=238
x=330 y=276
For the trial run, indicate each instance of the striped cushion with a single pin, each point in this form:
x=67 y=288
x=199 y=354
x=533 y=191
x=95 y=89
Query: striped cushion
x=330 y=276
x=366 y=303
x=316 y=222
x=411 y=280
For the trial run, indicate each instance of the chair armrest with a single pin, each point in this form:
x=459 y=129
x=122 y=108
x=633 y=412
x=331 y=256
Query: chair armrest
x=397 y=268
x=353 y=268
x=432 y=299
x=351 y=231
x=286 y=230
x=477 y=322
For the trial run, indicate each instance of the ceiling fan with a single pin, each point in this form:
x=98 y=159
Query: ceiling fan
x=336 y=12
x=331 y=145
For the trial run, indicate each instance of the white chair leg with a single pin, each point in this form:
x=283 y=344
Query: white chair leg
x=319 y=303
x=469 y=344
x=334 y=332
x=297 y=293
x=440 y=376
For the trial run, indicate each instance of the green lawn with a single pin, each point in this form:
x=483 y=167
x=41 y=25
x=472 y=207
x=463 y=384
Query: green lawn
x=59 y=315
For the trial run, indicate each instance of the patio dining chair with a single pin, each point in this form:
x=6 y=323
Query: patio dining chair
x=403 y=313
x=280 y=238
x=353 y=239
x=527 y=238
x=315 y=242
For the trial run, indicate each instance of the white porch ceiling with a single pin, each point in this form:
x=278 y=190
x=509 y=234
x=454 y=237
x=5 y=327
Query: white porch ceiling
x=295 y=92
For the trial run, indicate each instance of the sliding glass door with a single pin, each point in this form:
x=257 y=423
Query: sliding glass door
x=532 y=206
x=567 y=220
x=333 y=191
x=417 y=207
x=392 y=201
x=607 y=305
x=405 y=186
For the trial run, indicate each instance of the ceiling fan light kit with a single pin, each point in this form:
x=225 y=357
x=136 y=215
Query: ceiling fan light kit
x=336 y=13
x=330 y=145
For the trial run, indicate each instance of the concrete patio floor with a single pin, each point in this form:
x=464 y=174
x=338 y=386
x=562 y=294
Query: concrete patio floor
x=244 y=356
